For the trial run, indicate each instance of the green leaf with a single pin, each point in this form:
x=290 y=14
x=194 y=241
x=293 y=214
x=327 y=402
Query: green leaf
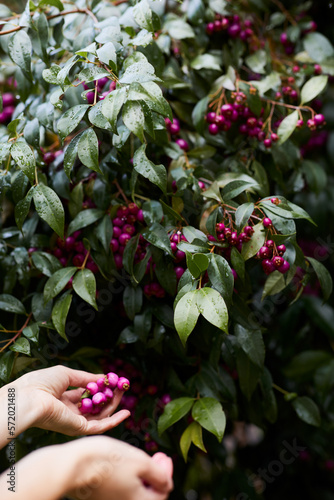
x=25 y=159
x=111 y=106
x=21 y=345
x=59 y=313
x=132 y=300
x=197 y=263
x=129 y=254
x=221 y=276
x=212 y=306
x=307 y=410
x=192 y=434
x=250 y=248
x=287 y=126
x=88 y=150
x=70 y=154
x=20 y=50
x=84 y=219
x=155 y=173
x=31 y=332
x=306 y=363
x=157 y=236
x=107 y=54
x=71 y=119
x=6 y=365
x=92 y=74
x=49 y=208
x=140 y=72
x=96 y=117
x=249 y=374
x=208 y=412
x=324 y=277
x=104 y=232
x=318 y=47
x=238 y=263
x=204 y=61
x=242 y=215
x=257 y=61
x=143 y=15
x=276 y=282
x=47 y=263
x=57 y=282
x=22 y=209
x=9 y=303
x=313 y=88
x=186 y=315
x=236 y=187
x=173 y=412
x=134 y=118
x=84 y=284
x=251 y=342
x=179 y=29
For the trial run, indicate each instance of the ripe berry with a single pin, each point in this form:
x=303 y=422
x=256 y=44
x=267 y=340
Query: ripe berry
x=179 y=271
x=227 y=110
x=277 y=261
x=122 y=211
x=281 y=249
x=249 y=230
x=165 y=399
x=69 y=243
x=220 y=226
x=118 y=261
x=234 y=238
x=234 y=30
x=264 y=253
x=117 y=232
x=317 y=69
x=270 y=244
x=99 y=399
x=8 y=99
x=210 y=28
x=78 y=260
x=211 y=117
x=114 y=245
x=101 y=383
x=267 y=222
x=90 y=97
x=108 y=393
x=112 y=379
x=201 y=185
x=267 y=143
x=86 y=405
x=275 y=201
x=284 y=38
x=179 y=255
x=268 y=266
x=295 y=69
x=174 y=128
x=124 y=238
x=311 y=124
x=182 y=144
x=274 y=137
x=319 y=119
x=92 y=387
x=118 y=221
x=284 y=268
x=49 y=158
x=123 y=384
x=213 y=129
x=300 y=123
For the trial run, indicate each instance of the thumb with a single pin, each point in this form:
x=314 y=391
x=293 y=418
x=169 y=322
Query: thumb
x=156 y=476
x=164 y=462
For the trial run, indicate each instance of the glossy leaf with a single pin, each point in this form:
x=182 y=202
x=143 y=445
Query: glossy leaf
x=173 y=412
x=57 y=282
x=212 y=306
x=192 y=434
x=84 y=284
x=209 y=413
x=186 y=315
x=49 y=208
x=60 y=312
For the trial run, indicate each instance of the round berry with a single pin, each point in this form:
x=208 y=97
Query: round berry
x=319 y=119
x=49 y=157
x=179 y=271
x=234 y=30
x=275 y=201
x=211 y=117
x=108 y=393
x=99 y=399
x=174 y=128
x=102 y=383
x=227 y=110
x=210 y=28
x=249 y=230
x=86 y=405
x=300 y=123
x=267 y=222
x=281 y=249
x=165 y=399
x=311 y=124
x=268 y=266
x=267 y=143
x=123 y=384
x=118 y=221
x=114 y=245
x=90 y=97
x=124 y=238
x=213 y=129
x=274 y=137
x=8 y=99
x=284 y=268
x=317 y=69
x=182 y=144
x=277 y=261
x=92 y=387
x=270 y=244
x=284 y=38
x=264 y=253
x=78 y=260
x=112 y=379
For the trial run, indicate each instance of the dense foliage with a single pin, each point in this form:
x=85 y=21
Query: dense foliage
x=165 y=185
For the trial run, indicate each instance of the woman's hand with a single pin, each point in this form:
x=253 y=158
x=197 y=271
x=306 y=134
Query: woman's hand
x=93 y=468
x=43 y=401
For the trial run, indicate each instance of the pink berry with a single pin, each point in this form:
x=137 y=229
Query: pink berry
x=63 y=261
x=234 y=30
x=235 y=276
x=267 y=143
x=284 y=38
x=92 y=387
x=112 y=379
x=275 y=201
x=114 y=245
x=274 y=137
x=277 y=261
x=319 y=119
x=213 y=129
x=174 y=128
x=90 y=97
x=108 y=393
x=129 y=229
x=165 y=399
x=140 y=216
x=133 y=208
x=92 y=267
x=295 y=69
x=69 y=243
x=211 y=117
x=152 y=389
x=101 y=383
x=182 y=144
x=264 y=253
x=124 y=238
x=311 y=124
x=268 y=266
x=57 y=252
x=8 y=99
x=118 y=221
x=227 y=110
x=270 y=244
x=281 y=249
x=201 y=185
x=179 y=271
x=249 y=230
x=284 y=268
x=317 y=69
x=117 y=232
x=122 y=211
x=220 y=121
x=118 y=261
x=86 y=405
x=300 y=123
x=210 y=28
x=49 y=157
x=220 y=226
x=99 y=399
x=267 y=222
x=179 y=255
x=123 y=384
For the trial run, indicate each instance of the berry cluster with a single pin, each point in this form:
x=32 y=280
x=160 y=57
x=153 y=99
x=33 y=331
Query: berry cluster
x=8 y=103
x=71 y=248
x=250 y=125
x=272 y=255
x=233 y=26
x=90 y=96
x=99 y=393
x=174 y=129
x=124 y=230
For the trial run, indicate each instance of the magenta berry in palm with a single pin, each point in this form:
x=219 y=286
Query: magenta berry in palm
x=101 y=383
x=86 y=405
x=92 y=387
x=123 y=384
x=108 y=393
x=267 y=222
x=213 y=129
x=99 y=399
x=112 y=379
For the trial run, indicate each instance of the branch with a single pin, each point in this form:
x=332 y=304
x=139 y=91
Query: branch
x=18 y=333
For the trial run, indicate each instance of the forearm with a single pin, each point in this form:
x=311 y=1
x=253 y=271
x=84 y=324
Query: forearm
x=17 y=411
x=46 y=474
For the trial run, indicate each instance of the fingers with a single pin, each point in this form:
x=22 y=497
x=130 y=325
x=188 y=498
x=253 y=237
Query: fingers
x=105 y=424
x=80 y=378
x=157 y=477
x=164 y=462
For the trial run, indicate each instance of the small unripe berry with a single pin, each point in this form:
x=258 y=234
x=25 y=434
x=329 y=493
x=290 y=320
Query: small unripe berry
x=123 y=384
x=267 y=222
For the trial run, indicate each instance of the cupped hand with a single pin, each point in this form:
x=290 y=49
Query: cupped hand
x=55 y=408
